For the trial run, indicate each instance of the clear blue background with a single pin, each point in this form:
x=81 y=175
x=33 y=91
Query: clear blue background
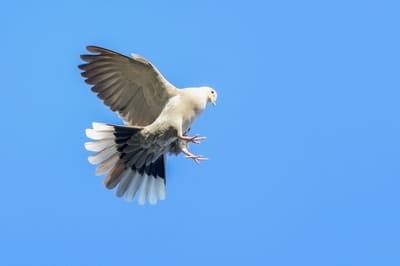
x=304 y=142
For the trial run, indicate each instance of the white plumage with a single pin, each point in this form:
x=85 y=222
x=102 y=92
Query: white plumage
x=157 y=117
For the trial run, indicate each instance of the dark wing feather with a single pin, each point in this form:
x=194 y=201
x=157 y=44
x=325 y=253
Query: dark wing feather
x=133 y=87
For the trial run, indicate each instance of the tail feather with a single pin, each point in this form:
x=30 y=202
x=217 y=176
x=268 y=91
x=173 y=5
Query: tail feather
x=152 y=191
x=126 y=178
x=114 y=176
x=97 y=146
x=101 y=126
x=118 y=155
x=144 y=190
x=99 y=134
x=133 y=186
x=107 y=165
x=102 y=155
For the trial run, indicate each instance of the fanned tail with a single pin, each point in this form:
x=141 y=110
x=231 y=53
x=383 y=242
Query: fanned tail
x=126 y=163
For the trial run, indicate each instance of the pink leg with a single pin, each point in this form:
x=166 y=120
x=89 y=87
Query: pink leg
x=196 y=158
x=195 y=139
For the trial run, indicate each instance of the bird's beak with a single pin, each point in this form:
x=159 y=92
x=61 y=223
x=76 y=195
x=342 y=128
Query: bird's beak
x=214 y=103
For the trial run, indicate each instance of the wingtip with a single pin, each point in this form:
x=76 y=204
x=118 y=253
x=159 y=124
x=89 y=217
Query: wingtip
x=93 y=48
x=82 y=66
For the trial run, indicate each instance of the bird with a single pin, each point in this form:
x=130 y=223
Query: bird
x=156 y=115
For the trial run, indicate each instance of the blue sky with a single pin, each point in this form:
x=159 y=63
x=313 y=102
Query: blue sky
x=304 y=142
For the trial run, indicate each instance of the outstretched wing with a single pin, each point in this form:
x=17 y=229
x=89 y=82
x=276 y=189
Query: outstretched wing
x=133 y=87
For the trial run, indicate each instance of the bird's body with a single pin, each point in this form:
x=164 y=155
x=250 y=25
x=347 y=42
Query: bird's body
x=157 y=117
x=176 y=114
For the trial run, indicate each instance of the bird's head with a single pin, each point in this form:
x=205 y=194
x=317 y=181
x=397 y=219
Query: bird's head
x=212 y=95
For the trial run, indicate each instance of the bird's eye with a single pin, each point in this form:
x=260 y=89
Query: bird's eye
x=212 y=92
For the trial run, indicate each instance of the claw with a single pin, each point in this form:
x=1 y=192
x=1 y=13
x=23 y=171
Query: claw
x=195 y=139
x=196 y=158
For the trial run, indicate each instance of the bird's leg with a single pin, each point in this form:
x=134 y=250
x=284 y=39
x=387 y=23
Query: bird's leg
x=195 y=139
x=196 y=158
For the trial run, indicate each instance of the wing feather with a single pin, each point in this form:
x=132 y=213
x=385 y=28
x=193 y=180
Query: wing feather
x=133 y=87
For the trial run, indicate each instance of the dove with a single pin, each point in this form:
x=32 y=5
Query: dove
x=156 y=115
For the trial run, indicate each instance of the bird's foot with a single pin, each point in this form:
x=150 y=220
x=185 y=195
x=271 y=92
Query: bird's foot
x=195 y=139
x=196 y=158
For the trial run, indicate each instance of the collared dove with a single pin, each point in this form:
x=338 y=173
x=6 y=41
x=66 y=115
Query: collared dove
x=156 y=115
